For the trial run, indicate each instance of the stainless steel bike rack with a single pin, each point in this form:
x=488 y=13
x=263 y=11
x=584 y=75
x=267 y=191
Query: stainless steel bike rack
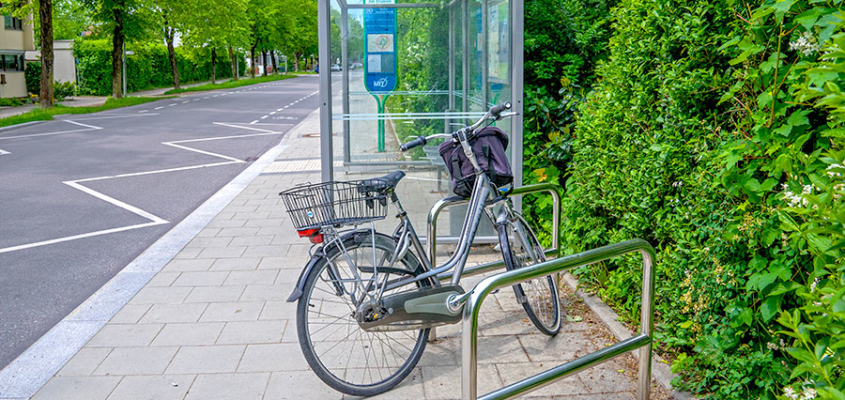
x=472 y=303
x=431 y=228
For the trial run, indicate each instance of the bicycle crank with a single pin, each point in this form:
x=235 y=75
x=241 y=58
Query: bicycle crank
x=412 y=310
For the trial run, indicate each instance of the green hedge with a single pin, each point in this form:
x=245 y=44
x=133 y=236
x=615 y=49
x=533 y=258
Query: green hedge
x=715 y=131
x=148 y=68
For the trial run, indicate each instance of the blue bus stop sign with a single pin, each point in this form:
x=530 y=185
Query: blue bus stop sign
x=380 y=54
x=380 y=47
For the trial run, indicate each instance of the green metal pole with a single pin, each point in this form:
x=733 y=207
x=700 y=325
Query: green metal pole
x=380 y=100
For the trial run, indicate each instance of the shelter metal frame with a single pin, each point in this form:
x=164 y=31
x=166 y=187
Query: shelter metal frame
x=457 y=10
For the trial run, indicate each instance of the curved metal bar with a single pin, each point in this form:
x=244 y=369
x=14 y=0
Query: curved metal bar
x=472 y=300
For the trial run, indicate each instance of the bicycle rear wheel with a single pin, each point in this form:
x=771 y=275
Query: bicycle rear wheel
x=538 y=296
x=342 y=354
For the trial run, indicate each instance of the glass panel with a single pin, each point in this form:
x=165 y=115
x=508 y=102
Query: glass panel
x=429 y=68
x=10 y=62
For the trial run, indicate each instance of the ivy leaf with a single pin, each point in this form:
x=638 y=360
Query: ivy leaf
x=769 y=184
x=769 y=237
x=784 y=130
x=808 y=18
x=828 y=24
x=764 y=99
x=770 y=307
x=782 y=288
x=760 y=281
x=798 y=118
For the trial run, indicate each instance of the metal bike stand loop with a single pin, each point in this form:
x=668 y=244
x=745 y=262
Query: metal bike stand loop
x=431 y=227
x=431 y=233
x=472 y=300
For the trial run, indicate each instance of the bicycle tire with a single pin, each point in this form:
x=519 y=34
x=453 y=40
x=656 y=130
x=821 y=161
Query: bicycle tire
x=538 y=296
x=345 y=379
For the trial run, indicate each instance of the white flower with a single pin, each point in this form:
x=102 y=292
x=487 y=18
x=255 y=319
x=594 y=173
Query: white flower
x=834 y=174
x=772 y=346
x=797 y=200
x=789 y=392
x=808 y=393
x=806 y=44
x=814 y=284
x=677 y=184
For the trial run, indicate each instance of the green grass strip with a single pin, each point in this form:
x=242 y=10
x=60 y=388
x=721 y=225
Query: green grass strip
x=40 y=114
x=232 y=84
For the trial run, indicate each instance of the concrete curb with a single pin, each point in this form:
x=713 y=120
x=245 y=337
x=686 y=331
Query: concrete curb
x=659 y=370
x=24 y=376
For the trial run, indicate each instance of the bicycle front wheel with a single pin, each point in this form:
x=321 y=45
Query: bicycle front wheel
x=341 y=353
x=539 y=298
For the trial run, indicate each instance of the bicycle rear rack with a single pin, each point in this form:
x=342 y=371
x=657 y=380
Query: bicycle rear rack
x=472 y=303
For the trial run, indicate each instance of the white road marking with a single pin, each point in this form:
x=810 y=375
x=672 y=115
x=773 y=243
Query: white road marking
x=254 y=122
x=113 y=117
x=159 y=108
x=108 y=199
x=143 y=111
x=186 y=102
x=154 y=220
x=4 y=152
x=90 y=128
x=173 y=144
x=234 y=125
x=174 y=104
x=76 y=237
x=264 y=117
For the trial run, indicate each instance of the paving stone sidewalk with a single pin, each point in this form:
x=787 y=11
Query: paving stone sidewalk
x=214 y=324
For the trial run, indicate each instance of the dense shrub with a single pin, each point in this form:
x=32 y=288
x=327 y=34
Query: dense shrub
x=32 y=74
x=148 y=68
x=786 y=158
x=715 y=132
x=564 y=41
x=63 y=90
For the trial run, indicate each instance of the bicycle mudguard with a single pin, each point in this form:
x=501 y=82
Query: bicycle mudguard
x=300 y=282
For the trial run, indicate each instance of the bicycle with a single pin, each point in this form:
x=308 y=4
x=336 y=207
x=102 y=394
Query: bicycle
x=367 y=300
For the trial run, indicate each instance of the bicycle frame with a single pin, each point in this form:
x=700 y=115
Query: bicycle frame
x=478 y=203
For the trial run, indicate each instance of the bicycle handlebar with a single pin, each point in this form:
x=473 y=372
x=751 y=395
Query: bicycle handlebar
x=495 y=113
x=419 y=141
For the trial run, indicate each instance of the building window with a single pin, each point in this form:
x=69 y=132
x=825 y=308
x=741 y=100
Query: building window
x=13 y=23
x=12 y=62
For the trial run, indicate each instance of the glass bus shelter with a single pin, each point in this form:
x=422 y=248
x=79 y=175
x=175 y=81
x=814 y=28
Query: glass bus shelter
x=391 y=70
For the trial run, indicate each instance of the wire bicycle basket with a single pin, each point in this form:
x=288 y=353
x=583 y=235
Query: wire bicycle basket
x=334 y=204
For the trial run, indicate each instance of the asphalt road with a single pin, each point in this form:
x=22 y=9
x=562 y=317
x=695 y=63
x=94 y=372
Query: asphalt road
x=83 y=196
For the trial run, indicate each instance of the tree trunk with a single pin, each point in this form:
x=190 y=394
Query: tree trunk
x=252 y=61
x=117 y=51
x=264 y=62
x=295 y=62
x=275 y=65
x=45 y=14
x=169 y=34
x=213 y=66
x=234 y=64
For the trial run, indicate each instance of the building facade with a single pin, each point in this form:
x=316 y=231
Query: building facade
x=16 y=38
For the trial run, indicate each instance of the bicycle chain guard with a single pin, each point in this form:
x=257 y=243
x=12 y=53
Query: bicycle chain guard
x=411 y=310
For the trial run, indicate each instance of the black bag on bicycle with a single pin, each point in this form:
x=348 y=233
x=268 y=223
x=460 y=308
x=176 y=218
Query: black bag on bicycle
x=489 y=148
